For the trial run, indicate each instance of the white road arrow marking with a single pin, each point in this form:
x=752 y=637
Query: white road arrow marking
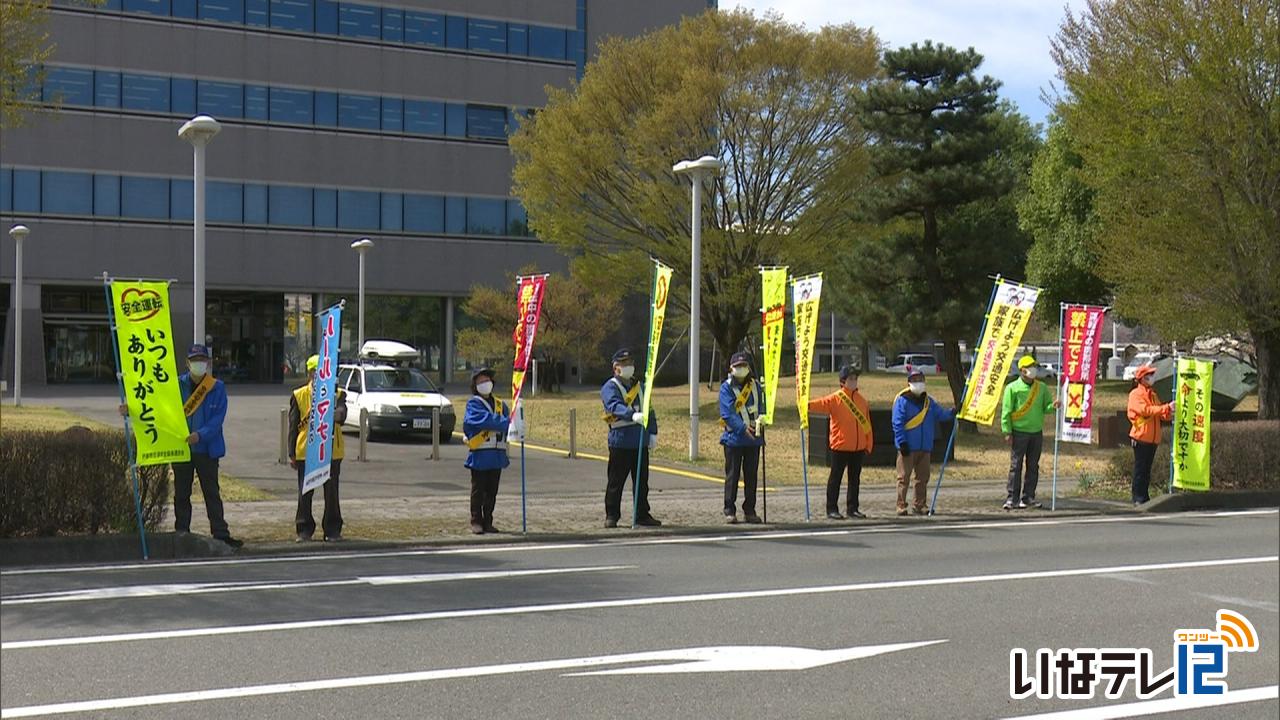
x=700 y=659
x=171 y=589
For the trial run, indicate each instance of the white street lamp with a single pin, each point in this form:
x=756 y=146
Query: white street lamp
x=18 y=233
x=697 y=170
x=361 y=246
x=199 y=131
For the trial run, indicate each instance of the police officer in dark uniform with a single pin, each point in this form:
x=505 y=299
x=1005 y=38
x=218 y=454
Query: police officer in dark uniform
x=621 y=397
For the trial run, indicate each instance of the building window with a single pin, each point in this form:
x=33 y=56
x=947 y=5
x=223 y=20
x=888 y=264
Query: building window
x=359 y=111
x=184 y=96
x=144 y=92
x=423 y=29
x=66 y=193
x=255 y=13
x=69 y=86
x=6 y=190
x=486 y=122
x=487 y=35
x=424 y=117
x=517 y=219
x=149 y=7
x=393 y=25
x=392 y=114
x=547 y=42
x=326 y=208
x=106 y=195
x=296 y=15
x=219 y=99
x=327 y=17
x=455 y=120
x=255 y=204
x=517 y=39
x=289 y=205
x=486 y=217
x=255 y=102
x=392 y=211
x=455 y=32
x=227 y=11
x=184 y=9
x=455 y=215
x=144 y=197
x=359 y=21
x=358 y=210
x=424 y=213
x=106 y=89
x=182 y=199
x=326 y=109
x=291 y=106
x=224 y=202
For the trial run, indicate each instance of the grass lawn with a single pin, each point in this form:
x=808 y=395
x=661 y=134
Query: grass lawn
x=52 y=419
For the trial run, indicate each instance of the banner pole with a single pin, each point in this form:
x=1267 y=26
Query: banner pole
x=128 y=435
x=1173 y=433
x=764 y=480
x=1057 y=414
x=955 y=422
x=644 y=425
x=804 y=464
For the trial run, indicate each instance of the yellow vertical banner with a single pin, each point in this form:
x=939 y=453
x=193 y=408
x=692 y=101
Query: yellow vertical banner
x=1007 y=318
x=149 y=372
x=773 y=309
x=657 y=315
x=1194 y=383
x=806 y=293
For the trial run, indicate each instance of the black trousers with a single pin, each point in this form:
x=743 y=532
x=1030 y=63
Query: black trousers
x=484 y=495
x=1143 y=455
x=184 y=475
x=741 y=463
x=622 y=463
x=1024 y=453
x=331 y=521
x=842 y=461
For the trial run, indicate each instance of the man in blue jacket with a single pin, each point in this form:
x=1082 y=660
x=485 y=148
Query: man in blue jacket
x=621 y=397
x=741 y=404
x=485 y=427
x=204 y=400
x=915 y=417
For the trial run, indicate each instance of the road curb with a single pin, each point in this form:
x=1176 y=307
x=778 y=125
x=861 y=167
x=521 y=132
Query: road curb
x=1213 y=500
x=79 y=549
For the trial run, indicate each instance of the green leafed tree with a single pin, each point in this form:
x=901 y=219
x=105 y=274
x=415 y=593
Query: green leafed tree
x=24 y=47
x=947 y=159
x=577 y=317
x=771 y=100
x=1057 y=211
x=1174 y=106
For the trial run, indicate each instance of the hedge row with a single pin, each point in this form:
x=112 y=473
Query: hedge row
x=1242 y=456
x=74 y=482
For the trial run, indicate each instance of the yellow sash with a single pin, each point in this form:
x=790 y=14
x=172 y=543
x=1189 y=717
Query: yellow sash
x=863 y=422
x=916 y=421
x=482 y=437
x=629 y=398
x=198 y=395
x=1031 y=398
x=740 y=400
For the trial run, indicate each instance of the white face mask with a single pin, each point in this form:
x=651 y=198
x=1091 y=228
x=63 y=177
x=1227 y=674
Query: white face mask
x=917 y=388
x=626 y=372
x=199 y=368
x=1029 y=374
x=740 y=371
x=851 y=384
x=484 y=388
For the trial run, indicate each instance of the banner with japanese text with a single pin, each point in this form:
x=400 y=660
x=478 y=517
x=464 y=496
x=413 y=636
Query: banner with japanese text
x=529 y=292
x=1194 y=389
x=149 y=371
x=657 y=315
x=773 y=309
x=806 y=294
x=1081 y=338
x=321 y=429
x=1011 y=307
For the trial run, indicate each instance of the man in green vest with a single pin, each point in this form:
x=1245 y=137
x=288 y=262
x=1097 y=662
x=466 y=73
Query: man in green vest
x=1026 y=400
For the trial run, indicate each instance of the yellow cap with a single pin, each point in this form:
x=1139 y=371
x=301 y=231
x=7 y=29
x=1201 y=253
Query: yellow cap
x=1026 y=362
x=313 y=362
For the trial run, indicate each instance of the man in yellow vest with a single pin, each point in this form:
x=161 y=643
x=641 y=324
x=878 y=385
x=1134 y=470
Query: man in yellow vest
x=1022 y=413
x=299 y=424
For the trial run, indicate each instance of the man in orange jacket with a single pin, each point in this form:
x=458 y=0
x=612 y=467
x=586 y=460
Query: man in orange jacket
x=850 y=440
x=1145 y=413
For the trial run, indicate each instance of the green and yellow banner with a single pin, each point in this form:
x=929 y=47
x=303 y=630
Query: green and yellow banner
x=1194 y=389
x=773 y=309
x=806 y=293
x=1007 y=318
x=657 y=314
x=149 y=371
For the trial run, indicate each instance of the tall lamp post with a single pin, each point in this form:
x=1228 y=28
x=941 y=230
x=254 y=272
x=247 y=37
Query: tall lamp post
x=697 y=170
x=198 y=131
x=18 y=233
x=361 y=246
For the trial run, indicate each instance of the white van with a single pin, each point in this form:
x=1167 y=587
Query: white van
x=398 y=398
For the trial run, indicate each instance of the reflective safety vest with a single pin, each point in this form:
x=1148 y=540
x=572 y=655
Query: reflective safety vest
x=631 y=398
x=489 y=439
x=302 y=396
x=747 y=403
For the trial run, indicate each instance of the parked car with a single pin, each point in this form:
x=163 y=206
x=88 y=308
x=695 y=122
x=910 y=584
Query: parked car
x=398 y=398
x=909 y=362
x=1142 y=358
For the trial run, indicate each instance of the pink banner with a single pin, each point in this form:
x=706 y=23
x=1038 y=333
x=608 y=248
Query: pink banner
x=1081 y=335
x=529 y=291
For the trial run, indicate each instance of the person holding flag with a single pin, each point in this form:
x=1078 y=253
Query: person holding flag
x=850 y=440
x=299 y=426
x=741 y=405
x=1022 y=414
x=1145 y=412
x=485 y=425
x=915 y=418
x=204 y=400
x=621 y=397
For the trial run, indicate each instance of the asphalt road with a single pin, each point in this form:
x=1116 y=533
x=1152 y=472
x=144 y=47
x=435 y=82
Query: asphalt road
x=781 y=624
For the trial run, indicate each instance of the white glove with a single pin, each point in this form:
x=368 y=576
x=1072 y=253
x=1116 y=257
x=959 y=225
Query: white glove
x=515 y=431
x=637 y=418
x=653 y=441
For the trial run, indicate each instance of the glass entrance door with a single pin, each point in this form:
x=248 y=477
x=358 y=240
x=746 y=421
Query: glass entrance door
x=78 y=351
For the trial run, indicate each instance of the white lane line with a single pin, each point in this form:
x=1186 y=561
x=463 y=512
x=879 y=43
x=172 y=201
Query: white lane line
x=923 y=526
x=1156 y=707
x=605 y=604
x=171 y=589
x=699 y=659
